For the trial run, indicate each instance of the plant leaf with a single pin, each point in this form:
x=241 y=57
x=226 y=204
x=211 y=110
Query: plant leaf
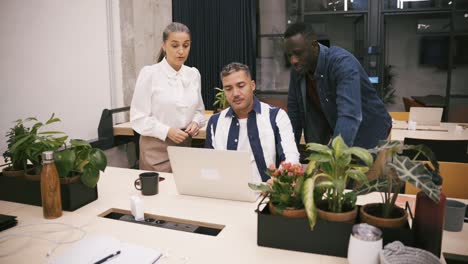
x=308 y=197
x=350 y=198
x=426 y=152
x=417 y=174
x=308 y=200
x=343 y=160
x=18 y=144
x=357 y=175
x=339 y=146
x=319 y=148
x=79 y=142
x=319 y=157
x=64 y=161
x=299 y=185
x=98 y=159
x=50 y=132
x=90 y=176
x=390 y=146
x=263 y=187
x=377 y=185
x=362 y=154
x=324 y=184
x=310 y=167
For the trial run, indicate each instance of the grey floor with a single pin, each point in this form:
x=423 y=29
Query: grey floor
x=122 y=156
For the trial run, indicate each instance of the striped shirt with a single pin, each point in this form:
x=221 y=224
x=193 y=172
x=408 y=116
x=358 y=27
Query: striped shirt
x=269 y=132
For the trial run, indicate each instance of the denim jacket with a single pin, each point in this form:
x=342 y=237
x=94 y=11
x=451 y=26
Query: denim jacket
x=348 y=100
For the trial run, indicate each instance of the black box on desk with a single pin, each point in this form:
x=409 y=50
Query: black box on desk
x=327 y=238
x=74 y=195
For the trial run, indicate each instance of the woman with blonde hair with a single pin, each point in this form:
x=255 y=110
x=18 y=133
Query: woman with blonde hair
x=167 y=108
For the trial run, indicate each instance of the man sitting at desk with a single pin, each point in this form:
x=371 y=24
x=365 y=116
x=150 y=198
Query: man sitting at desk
x=250 y=125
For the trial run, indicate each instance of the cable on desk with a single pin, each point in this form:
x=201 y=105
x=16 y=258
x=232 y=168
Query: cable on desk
x=41 y=235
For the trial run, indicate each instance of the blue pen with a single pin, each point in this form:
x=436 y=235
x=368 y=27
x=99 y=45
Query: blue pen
x=107 y=258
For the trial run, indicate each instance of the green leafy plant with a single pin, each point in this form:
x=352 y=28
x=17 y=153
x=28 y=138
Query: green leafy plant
x=17 y=160
x=333 y=167
x=81 y=159
x=387 y=93
x=220 y=99
x=285 y=186
x=398 y=168
x=34 y=141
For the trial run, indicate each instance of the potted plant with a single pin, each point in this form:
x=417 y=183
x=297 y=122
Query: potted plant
x=33 y=142
x=80 y=161
x=284 y=189
x=220 y=100
x=331 y=169
x=396 y=170
x=16 y=160
x=387 y=93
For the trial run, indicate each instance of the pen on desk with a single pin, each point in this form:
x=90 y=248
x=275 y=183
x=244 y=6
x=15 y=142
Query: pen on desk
x=107 y=258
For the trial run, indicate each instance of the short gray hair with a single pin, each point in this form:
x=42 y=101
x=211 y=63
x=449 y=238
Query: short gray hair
x=234 y=67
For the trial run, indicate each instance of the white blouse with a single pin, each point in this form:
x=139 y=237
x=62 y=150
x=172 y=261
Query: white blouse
x=166 y=98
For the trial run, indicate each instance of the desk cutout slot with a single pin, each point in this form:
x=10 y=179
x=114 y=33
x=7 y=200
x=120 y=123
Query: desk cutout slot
x=165 y=222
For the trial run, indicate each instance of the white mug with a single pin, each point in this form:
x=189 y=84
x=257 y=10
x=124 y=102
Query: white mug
x=363 y=252
x=412 y=125
x=364 y=246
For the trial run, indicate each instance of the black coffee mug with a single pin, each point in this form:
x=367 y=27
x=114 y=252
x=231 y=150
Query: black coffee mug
x=149 y=182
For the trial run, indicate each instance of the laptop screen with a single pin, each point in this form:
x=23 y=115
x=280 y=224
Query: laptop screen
x=428 y=116
x=222 y=174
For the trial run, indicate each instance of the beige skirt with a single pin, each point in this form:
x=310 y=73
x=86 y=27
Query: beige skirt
x=153 y=153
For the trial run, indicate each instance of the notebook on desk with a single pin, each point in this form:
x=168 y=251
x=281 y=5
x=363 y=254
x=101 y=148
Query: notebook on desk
x=222 y=174
x=99 y=248
x=426 y=116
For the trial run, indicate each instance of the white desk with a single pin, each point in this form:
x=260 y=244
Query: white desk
x=237 y=242
x=399 y=132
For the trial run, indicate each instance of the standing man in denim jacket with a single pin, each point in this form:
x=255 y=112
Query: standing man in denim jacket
x=330 y=93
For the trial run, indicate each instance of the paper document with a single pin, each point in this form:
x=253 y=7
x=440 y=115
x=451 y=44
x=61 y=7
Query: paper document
x=92 y=249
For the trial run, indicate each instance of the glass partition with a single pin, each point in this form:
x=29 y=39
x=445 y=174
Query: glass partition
x=416 y=4
x=334 y=5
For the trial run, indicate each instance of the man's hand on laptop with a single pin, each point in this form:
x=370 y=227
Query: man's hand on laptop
x=177 y=135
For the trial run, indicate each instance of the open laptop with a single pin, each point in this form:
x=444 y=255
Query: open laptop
x=426 y=116
x=222 y=174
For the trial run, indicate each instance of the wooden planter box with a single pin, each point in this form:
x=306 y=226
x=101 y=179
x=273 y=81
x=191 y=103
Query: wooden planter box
x=19 y=190
x=327 y=238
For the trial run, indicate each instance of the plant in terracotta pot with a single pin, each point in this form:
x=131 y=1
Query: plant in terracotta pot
x=284 y=189
x=34 y=141
x=80 y=161
x=396 y=170
x=331 y=169
x=221 y=101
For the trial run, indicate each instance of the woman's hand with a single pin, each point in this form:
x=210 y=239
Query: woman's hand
x=177 y=135
x=192 y=129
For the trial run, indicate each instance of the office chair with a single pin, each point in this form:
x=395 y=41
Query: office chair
x=444 y=150
x=454 y=175
x=408 y=103
x=107 y=140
